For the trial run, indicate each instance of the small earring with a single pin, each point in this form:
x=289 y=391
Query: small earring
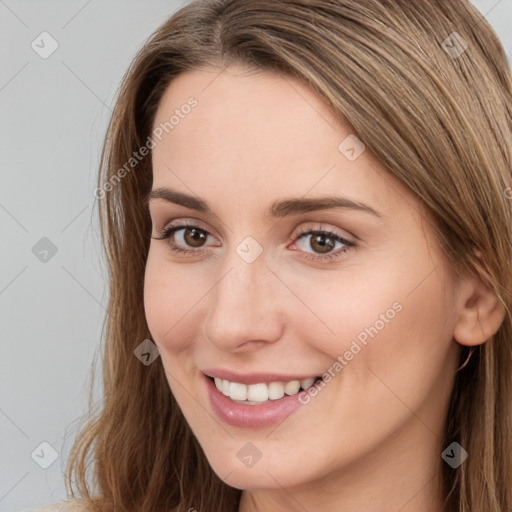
x=471 y=350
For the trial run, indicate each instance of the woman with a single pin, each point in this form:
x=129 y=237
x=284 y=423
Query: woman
x=305 y=207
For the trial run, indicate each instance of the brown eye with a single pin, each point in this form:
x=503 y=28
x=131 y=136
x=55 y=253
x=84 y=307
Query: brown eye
x=194 y=237
x=184 y=238
x=322 y=243
x=187 y=239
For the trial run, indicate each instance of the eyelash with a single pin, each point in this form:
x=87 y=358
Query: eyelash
x=167 y=234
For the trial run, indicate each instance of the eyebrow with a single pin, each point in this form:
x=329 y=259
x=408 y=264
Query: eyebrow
x=278 y=209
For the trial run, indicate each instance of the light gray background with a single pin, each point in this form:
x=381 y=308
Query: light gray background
x=54 y=113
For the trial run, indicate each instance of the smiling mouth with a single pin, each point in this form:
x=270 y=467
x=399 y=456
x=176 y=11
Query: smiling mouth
x=257 y=394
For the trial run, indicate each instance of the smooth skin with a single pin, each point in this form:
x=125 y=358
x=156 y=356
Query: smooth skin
x=372 y=438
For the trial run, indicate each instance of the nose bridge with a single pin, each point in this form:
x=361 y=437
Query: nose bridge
x=242 y=305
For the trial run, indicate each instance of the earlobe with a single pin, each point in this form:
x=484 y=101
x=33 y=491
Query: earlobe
x=481 y=313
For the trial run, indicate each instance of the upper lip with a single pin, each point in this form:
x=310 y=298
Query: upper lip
x=254 y=377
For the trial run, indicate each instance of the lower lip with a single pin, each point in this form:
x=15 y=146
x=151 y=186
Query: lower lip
x=251 y=416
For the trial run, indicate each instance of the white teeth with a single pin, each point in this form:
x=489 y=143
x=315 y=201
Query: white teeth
x=222 y=385
x=307 y=383
x=290 y=388
x=237 y=391
x=254 y=394
x=257 y=393
x=275 y=390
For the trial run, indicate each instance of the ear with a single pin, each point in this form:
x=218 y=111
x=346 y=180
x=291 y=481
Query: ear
x=480 y=314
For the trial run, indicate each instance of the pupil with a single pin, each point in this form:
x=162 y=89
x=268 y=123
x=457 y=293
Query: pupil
x=195 y=236
x=321 y=240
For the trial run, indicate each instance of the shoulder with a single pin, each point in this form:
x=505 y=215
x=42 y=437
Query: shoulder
x=63 y=506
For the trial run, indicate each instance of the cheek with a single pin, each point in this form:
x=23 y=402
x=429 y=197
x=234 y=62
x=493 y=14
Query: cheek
x=406 y=350
x=167 y=300
x=156 y=296
x=394 y=319
x=176 y=301
x=357 y=304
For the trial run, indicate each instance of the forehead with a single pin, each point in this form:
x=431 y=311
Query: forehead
x=241 y=109
x=255 y=134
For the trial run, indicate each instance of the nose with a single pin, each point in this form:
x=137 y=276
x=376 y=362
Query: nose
x=245 y=311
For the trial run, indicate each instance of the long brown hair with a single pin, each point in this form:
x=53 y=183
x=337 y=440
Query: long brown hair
x=436 y=113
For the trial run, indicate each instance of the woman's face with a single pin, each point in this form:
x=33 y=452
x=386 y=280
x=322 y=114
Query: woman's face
x=280 y=285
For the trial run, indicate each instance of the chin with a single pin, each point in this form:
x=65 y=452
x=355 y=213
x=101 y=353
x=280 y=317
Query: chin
x=275 y=472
